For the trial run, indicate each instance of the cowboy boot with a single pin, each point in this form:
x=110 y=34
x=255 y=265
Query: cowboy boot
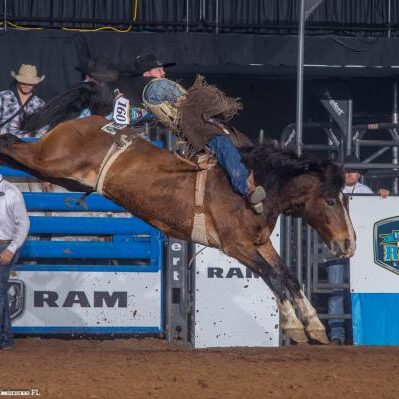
x=256 y=194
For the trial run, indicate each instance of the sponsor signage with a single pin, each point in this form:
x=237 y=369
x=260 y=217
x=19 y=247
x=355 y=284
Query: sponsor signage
x=16 y=297
x=386 y=243
x=336 y=100
x=375 y=266
x=233 y=306
x=374 y=271
x=53 y=300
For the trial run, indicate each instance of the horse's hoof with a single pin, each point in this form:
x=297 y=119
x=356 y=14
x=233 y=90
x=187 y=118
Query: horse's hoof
x=296 y=334
x=319 y=336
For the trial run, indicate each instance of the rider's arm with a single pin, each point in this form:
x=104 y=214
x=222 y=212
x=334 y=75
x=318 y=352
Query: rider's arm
x=138 y=114
x=162 y=90
x=84 y=113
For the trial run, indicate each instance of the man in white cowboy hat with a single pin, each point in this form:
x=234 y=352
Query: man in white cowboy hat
x=19 y=101
x=92 y=96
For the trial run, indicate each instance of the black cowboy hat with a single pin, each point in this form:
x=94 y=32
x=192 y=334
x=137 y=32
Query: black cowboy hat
x=351 y=159
x=147 y=62
x=98 y=70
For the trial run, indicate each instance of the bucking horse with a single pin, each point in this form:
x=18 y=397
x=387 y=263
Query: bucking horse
x=159 y=187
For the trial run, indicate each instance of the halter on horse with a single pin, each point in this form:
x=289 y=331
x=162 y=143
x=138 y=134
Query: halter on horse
x=156 y=186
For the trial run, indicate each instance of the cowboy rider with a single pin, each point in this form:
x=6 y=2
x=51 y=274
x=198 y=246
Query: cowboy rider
x=150 y=82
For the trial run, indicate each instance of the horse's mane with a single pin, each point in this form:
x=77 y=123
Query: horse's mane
x=273 y=168
x=68 y=105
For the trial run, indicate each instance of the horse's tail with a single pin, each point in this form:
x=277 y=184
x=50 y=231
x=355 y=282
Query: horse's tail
x=66 y=106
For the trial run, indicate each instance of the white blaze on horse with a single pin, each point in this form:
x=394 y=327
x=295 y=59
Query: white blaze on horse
x=158 y=187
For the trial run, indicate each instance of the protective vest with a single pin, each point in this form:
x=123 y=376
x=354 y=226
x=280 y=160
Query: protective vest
x=165 y=111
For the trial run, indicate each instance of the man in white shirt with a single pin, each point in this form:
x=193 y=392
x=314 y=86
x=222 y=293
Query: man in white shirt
x=337 y=269
x=14 y=227
x=352 y=184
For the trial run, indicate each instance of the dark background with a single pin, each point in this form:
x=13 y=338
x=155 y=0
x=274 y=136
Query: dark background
x=247 y=48
x=371 y=17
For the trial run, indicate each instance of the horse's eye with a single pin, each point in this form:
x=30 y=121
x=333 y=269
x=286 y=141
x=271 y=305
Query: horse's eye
x=331 y=201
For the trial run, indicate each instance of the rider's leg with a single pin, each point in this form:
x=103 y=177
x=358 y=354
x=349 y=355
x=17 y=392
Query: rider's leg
x=230 y=159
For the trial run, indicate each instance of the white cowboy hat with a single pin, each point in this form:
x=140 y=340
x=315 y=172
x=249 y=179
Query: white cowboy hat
x=27 y=74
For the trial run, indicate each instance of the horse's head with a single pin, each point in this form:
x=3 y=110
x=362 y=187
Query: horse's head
x=304 y=186
x=323 y=205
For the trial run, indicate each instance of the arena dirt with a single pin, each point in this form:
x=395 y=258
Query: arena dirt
x=150 y=368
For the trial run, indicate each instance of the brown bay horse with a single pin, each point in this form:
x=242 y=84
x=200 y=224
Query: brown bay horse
x=157 y=186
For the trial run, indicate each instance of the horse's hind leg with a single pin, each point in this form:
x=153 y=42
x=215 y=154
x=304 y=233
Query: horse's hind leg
x=31 y=156
x=19 y=151
x=314 y=327
x=6 y=140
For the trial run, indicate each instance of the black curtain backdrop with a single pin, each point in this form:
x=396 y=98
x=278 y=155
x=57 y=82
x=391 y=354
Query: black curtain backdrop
x=346 y=12
x=243 y=15
x=267 y=88
x=57 y=53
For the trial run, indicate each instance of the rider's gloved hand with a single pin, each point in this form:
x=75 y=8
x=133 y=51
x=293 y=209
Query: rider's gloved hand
x=138 y=114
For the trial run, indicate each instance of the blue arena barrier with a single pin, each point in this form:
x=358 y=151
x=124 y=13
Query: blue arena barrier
x=86 y=273
x=130 y=237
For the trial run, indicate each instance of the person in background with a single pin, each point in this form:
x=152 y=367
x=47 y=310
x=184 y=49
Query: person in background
x=352 y=177
x=337 y=269
x=20 y=101
x=97 y=77
x=92 y=96
x=14 y=227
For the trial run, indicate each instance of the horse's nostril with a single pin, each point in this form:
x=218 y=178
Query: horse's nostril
x=347 y=244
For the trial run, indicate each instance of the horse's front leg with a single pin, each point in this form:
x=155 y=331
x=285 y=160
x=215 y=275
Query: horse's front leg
x=247 y=254
x=290 y=324
x=313 y=326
